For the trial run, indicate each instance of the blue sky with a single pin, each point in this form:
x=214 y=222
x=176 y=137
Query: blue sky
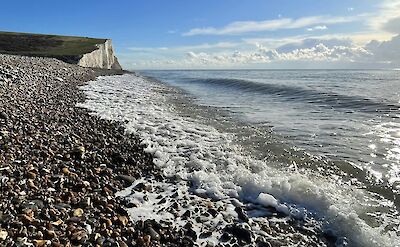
x=155 y=34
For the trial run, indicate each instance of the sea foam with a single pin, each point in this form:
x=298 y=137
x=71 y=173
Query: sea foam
x=187 y=148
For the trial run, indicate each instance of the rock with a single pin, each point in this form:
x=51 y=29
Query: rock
x=78 y=212
x=23 y=241
x=187 y=214
x=86 y=202
x=26 y=219
x=32 y=205
x=213 y=212
x=240 y=233
x=32 y=185
x=140 y=187
x=147 y=239
x=123 y=220
x=40 y=242
x=56 y=244
x=50 y=234
x=100 y=240
x=32 y=175
x=191 y=233
x=57 y=223
x=205 y=234
x=264 y=244
x=225 y=237
x=62 y=206
x=153 y=233
x=3 y=115
x=122 y=244
x=29 y=213
x=74 y=219
x=79 y=236
x=78 y=152
x=126 y=178
x=3 y=234
x=241 y=214
x=39 y=235
x=66 y=171
x=108 y=222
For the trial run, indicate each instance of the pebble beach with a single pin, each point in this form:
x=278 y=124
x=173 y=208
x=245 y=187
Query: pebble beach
x=61 y=168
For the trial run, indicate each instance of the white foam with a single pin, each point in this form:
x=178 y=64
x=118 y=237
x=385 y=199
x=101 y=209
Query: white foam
x=189 y=149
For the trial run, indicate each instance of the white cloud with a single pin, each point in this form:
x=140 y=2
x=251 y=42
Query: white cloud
x=147 y=49
x=386 y=17
x=321 y=52
x=262 y=55
x=204 y=46
x=387 y=51
x=241 y=27
x=393 y=25
x=310 y=39
x=312 y=42
x=320 y=27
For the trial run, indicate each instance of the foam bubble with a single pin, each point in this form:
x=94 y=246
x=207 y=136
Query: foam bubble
x=216 y=168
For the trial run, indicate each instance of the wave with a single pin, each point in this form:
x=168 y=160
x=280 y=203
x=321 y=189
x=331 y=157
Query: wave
x=214 y=165
x=304 y=95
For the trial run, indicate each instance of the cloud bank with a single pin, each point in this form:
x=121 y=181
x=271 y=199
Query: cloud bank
x=308 y=51
x=319 y=52
x=244 y=44
x=241 y=27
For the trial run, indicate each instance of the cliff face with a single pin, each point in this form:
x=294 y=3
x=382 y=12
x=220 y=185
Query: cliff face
x=102 y=57
x=84 y=51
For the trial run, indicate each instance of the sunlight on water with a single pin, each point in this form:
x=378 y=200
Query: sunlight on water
x=350 y=116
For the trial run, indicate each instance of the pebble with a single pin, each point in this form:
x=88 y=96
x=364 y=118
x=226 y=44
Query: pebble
x=3 y=115
x=3 y=234
x=153 y=233
x=240 y=233
x=126 y=178
x=78 y=212
x=123 y=220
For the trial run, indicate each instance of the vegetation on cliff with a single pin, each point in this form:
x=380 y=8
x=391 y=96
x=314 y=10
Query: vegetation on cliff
x=66 y=48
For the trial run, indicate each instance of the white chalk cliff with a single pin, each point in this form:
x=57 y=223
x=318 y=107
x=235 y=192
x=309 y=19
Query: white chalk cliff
x=103 y=57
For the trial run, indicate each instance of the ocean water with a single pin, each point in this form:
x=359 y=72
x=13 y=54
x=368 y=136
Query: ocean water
x=320 y=142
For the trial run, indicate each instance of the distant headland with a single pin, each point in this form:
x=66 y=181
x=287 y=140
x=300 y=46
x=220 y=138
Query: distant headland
x=84 y=51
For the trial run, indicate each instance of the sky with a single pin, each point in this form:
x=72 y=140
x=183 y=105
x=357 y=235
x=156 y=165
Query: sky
x=224 y=34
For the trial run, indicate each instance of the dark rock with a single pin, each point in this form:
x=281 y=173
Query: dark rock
x=225 y=237
x=191 y=233
x=3 y=115
x=241 y=214
x=153 y=233
x=239 y=233
x=79 y=236
x=213 y=212
x=187 y=214
x=126 y=178
x=205 y=234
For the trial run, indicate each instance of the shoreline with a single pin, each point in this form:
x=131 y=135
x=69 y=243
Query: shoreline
x=61 y=167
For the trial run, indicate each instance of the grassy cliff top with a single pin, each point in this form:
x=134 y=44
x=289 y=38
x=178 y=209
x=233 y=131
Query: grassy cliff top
x=29 y=44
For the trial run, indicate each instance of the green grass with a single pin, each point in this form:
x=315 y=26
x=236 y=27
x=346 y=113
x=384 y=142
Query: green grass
x=67 y=48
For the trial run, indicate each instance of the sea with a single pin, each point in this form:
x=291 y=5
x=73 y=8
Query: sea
x=325 y=142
